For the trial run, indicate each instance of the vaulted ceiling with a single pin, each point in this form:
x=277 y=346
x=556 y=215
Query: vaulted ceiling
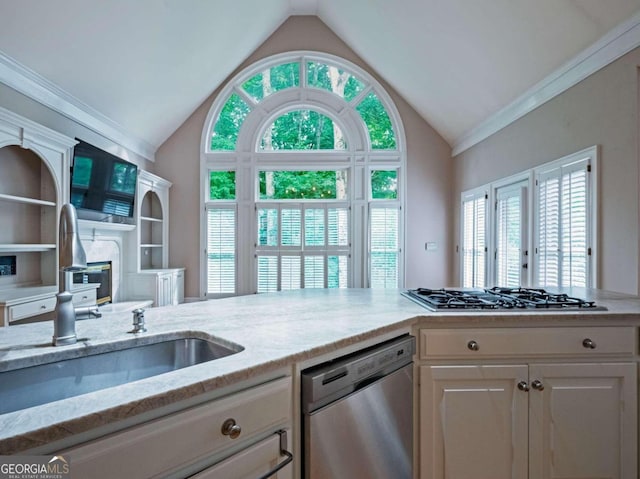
x=145 y=65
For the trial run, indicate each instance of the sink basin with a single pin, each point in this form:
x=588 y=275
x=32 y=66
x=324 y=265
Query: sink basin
x=44 y=383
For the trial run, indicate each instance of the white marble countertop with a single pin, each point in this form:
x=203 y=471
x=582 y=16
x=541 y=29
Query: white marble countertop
x=276 y=330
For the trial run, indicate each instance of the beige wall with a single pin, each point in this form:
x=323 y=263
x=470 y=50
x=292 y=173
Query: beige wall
x=601 y=110
x=428 y=170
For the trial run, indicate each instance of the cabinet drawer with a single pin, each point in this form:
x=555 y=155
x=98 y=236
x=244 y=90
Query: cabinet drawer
x=255 y=461
x=172 y=442
x=32 y=308
x=471 y=343
x=85 y=298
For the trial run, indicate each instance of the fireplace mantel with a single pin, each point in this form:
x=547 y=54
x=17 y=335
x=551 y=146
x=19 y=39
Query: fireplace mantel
x=92 y=228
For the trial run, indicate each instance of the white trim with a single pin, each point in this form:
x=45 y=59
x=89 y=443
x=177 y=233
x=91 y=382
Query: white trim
x=622 y=39
x=38 y=88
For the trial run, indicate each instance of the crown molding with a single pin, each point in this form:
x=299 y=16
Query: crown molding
x=622 y=39
x=38 y=88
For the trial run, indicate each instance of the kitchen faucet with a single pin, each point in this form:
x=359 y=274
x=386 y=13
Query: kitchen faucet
x=71 y=258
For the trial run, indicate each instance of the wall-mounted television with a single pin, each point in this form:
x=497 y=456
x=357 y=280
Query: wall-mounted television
x=102 y=182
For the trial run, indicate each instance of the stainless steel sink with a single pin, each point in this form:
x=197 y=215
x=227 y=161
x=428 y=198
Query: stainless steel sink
x=44 y=383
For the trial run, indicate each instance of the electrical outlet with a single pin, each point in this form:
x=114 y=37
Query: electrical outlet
x=7 y=265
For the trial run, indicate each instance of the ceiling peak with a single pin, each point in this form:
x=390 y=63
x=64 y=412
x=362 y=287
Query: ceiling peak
x=304 y=7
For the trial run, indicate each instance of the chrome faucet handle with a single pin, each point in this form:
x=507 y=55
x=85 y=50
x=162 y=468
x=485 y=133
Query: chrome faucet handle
x=138 y=321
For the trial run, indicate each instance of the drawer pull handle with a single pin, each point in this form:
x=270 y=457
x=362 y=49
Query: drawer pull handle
x=523 y=386
x=537 y=384
x=589 y=344
x=283 y=452
x=44 y=306
x=231 y=429
x=473 y=345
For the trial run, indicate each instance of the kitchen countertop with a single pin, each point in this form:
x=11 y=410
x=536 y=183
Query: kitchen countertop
x=276 y=330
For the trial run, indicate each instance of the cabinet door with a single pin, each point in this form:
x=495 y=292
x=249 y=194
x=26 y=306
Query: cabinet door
x=250 y=463
x=164 y=290
x=583 y=421
x=473 y=422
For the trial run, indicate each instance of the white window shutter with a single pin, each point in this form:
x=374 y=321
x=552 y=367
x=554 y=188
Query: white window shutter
x=384 y=246
x=221 y=250
x=509 y=235
x=563 y=226
x=474 y=256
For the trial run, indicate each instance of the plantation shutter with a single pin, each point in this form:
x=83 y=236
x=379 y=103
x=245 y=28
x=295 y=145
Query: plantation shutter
x=221 y=250
x=474 y=210
x=563 y=214
x=285 y=261
x=510 y=235
x=384 y=246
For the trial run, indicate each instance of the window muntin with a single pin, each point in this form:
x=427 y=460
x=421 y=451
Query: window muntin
x=222 y=185
x=378 y=123
x=225 y=132
x=302 y=185
x=303 y=130
x=334 y=79
x=272 y=80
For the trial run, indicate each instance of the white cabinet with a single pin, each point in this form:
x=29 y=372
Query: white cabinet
x=164 y=286
x=190 y=441
x=20 y=304
x=148 y=248
x=151 y=245
x=534 y=417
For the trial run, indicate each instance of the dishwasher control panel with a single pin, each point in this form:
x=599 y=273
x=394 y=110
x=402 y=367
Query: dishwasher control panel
x=323 y=383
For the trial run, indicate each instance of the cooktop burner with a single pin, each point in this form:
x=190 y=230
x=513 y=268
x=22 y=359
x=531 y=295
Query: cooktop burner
x=496 y=299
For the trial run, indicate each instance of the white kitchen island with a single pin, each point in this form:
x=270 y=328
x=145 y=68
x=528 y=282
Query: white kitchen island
x=282 y=333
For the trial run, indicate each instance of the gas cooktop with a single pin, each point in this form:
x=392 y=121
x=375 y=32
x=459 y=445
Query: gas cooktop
x=497 y=299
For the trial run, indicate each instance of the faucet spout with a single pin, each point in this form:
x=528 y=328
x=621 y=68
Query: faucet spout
x=72 y=257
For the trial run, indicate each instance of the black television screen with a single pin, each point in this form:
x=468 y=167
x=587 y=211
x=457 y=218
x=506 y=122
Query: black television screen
x=102 y=182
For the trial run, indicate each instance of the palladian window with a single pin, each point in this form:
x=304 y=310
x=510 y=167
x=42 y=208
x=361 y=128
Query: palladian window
x=304 y=166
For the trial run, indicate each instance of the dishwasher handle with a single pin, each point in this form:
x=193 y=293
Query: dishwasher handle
x=283 y=452
x=366 y=381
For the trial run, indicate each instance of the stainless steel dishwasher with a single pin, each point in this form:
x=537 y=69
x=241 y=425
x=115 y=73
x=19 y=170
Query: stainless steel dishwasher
x=358 y=414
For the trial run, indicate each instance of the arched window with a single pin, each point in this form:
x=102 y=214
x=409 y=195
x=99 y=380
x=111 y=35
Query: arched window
x=303 y=168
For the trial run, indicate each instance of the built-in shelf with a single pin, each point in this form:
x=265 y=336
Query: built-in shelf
x=146 y=218
x=26 y=248
x=23 y=199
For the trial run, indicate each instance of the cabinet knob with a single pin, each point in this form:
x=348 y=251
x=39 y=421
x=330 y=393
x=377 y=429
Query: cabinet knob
x=231 y=429
x=589 y=344
x=537 y=384
x=473 y=345
x=523 y=386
